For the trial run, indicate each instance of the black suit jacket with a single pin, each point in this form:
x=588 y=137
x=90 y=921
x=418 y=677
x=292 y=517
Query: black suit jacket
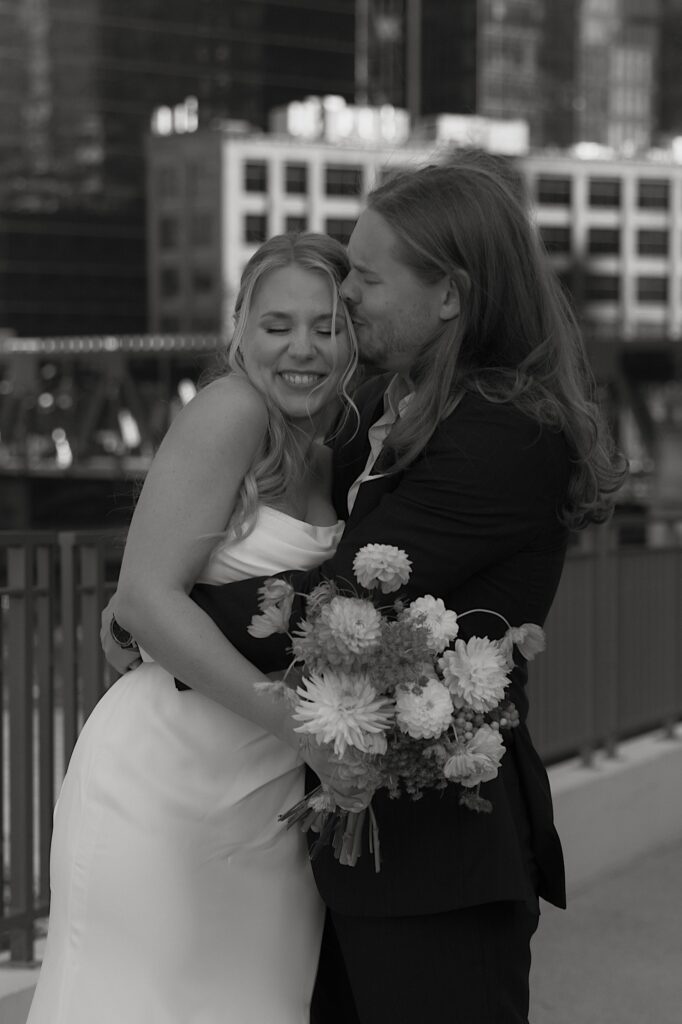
x=477 y=513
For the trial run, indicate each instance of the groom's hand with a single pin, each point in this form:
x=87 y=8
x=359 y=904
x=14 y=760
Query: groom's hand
x=122 y=659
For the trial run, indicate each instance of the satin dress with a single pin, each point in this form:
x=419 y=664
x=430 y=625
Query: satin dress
x=177 y=896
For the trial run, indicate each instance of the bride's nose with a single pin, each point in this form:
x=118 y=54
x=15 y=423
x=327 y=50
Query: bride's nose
x=301 y=343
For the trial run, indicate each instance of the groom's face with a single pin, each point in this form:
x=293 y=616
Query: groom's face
x=395 y=313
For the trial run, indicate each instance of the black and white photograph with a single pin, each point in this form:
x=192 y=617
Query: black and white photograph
x=340 y=511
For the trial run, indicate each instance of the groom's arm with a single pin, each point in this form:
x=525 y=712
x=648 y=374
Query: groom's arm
x=489 y=481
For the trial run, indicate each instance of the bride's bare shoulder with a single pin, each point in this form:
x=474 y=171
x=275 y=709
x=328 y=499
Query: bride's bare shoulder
x=233 y=401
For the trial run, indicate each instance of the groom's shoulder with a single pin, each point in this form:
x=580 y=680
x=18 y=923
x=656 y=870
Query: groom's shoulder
x=498 y=429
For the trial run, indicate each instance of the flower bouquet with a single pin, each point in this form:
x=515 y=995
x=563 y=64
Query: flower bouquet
x=384 y=689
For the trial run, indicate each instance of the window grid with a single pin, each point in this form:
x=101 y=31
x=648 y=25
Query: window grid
x=296 y=179
x=603 y=241
x=255 y=176
x=553 y=190
x=604 y=192
x=343 y=180
x=255 y=228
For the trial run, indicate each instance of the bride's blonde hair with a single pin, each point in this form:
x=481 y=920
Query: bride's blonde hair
x=283 y=457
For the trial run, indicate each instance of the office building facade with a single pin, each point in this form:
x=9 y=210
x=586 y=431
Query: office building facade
x=612 y=227
x=79 y=80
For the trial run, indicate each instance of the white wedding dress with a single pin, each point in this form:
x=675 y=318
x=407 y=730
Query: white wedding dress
x=177 y=896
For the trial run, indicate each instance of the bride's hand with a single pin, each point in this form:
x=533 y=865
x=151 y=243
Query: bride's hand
x=346 y=783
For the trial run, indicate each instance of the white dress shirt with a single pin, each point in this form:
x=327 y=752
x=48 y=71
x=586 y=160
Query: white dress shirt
x=397 y=397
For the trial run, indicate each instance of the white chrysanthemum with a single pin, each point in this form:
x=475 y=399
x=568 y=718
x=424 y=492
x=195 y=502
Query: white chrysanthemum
x=424 y=714
x=529 y=638
x=478 y=760
x=475 y=673
x=343 y=710
x=274 y=591
x=354 y=623
x=275 y=619
x=440 y=622
x=382 y=565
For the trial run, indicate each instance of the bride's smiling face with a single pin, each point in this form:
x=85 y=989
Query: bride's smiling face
x=292 y=350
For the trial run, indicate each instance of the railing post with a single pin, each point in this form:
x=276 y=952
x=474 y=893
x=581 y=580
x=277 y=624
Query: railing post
x=20 y=658
x=606 y=638
x=67 y=564
x=91 y=604
x=671 y=719
x=45 y=596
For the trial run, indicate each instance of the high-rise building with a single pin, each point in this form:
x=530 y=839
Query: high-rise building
x=79 y=80
x=616 y=81
x=493 y=58
x=669 y=107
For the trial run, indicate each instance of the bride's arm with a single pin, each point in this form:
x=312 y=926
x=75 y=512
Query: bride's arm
x=184 y=506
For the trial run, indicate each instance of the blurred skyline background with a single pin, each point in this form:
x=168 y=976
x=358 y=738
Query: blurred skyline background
x=147 y=148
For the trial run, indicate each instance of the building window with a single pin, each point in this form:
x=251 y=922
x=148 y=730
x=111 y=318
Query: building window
x=604 y=192
x=604 y=241
x=296 y=224
x=167 y=181
x=255 y=228
x=343 y=180
x=555 y=239
x=296 y=179
x=202 y=280
x=168 y=233
x=201 y=229
x=255 y=176
x=653 y=194
x=169 y=282
x=652 y=289
x=551 y=190
x=169 y=325
x=340 y=228
x=652 y=243
x=602 y=287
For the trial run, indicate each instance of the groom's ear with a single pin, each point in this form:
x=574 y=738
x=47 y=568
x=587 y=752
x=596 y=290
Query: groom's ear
x=450 y=304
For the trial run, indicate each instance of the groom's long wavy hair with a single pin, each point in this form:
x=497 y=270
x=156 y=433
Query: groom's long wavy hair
x=283 y=459
x=516 y=339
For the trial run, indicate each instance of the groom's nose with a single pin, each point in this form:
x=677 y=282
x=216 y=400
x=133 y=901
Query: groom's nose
x=348 y=290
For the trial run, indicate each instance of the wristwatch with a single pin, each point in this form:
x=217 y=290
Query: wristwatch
x=122 y=637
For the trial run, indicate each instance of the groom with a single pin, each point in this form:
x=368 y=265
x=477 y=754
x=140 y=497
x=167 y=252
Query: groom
x=471 y=489
x=449 y=299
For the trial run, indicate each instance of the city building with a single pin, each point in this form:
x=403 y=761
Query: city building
x=215 y=195
x=491 y=58
x=79 y=80
x=613 y=229
x=616 y=87
x=612 y=226
x=669 y=108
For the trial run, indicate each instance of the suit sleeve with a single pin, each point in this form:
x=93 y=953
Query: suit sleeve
x=487 y=485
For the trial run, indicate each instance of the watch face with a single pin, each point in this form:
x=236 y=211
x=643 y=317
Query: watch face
x=122 y=637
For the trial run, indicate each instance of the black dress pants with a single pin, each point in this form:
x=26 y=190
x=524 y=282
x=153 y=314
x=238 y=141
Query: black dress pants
x=466 y=966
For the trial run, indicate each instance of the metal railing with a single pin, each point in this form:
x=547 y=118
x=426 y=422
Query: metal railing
x=52 y=672
x=612 y=669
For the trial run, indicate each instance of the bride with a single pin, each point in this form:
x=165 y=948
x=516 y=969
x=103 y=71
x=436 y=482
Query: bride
x=177 y=897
